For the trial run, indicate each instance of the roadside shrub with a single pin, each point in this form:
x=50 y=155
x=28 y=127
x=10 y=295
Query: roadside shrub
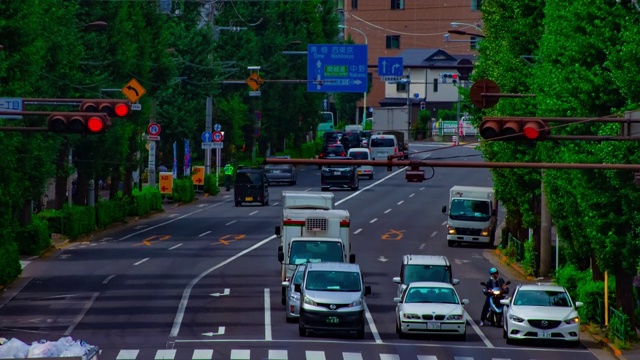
x=211 y=185
x=183 y=190
x=34 y=238
x=570 y=277
x=529 y=261
x=9 y=258
x=589 y=292
x=144 y=202
x=110 y=211
x=80 y=220
x=55 y=220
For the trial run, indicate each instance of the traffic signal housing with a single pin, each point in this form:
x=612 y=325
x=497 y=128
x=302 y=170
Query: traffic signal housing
x=78 y=123
x=423 y=105
x=111 y=107
x=513 y=129
x=453 y=77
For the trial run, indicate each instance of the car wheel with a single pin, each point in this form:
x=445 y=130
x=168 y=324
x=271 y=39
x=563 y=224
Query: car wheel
x=237 y=203
x=451 y=243
x=301 y=330
x=510 y=341
x=290 y=319
x=325 y=188
x=462 y=337
x=504 y=333
x=574 y=344
x=371 y=177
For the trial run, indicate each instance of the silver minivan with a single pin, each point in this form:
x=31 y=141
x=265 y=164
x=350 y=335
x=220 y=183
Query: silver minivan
x=332 y=298
x=382 y=146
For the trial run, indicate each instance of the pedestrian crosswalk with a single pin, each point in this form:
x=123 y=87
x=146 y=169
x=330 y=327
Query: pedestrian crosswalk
x=274 y=354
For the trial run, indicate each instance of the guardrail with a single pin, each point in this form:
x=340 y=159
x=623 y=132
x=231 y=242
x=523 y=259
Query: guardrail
x=618 y=325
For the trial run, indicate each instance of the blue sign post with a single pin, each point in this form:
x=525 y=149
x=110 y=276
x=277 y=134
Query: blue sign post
x=390 y=66
x=206 y=136
x=337 y=68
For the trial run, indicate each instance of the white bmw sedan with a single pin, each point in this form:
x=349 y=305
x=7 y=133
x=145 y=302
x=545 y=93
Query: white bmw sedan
x=544 y=312
x=430 y=308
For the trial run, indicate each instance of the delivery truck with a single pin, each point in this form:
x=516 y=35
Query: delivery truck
x=472 y=215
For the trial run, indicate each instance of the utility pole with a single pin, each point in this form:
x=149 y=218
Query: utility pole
x=208 y=128
x=545 y=232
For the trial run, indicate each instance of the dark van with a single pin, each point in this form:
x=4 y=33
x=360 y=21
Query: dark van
x=251 y=186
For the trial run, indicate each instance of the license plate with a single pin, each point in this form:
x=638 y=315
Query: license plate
x=433 y=326
x=544 y=334
x=359 y=172
x=336 y=173
x=248 y=198
x=333 y=320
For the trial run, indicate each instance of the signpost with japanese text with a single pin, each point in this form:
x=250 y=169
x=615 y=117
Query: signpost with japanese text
x=337 y=68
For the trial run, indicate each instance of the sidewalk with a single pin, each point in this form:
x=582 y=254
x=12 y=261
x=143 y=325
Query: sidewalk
x=588 y=335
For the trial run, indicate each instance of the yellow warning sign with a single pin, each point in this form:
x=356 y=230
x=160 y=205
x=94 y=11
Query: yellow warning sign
x=197 y=175
x=133 y=90
x=166 y=183
x=254 y=81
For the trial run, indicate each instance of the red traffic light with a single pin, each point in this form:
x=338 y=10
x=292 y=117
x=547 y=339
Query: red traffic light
x=78 y=123
x=513 y=128
x=111 y=107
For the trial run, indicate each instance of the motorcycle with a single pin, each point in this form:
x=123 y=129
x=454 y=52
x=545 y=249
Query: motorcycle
x=496 y=313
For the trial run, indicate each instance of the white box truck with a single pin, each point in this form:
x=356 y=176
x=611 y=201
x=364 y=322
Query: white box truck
x=393 y=121
x=312 y=236
x=308 y=200
x=472 y=215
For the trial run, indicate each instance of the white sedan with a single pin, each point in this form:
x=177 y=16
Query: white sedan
x=545 y=312
x=430 y=308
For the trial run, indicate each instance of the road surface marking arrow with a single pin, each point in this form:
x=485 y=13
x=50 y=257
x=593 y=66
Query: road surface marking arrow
x=226 y=292
x=220 y=332
x=393 y=235
x=383 y=259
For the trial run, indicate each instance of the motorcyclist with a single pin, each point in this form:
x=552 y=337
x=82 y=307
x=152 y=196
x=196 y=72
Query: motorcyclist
x=494 y=281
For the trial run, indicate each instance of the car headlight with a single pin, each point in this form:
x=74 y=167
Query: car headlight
x=451 y=229
x=309 y=301
x=485 y=232
x=455 y=317
x=496 y=292
x=356 y=303
x=573 y=320
x=411 y=316
x=515 y=318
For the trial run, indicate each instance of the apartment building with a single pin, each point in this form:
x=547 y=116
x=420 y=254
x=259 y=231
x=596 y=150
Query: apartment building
x=416 y=30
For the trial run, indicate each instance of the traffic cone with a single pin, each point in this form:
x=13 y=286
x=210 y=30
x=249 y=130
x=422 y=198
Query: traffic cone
x=455 y=140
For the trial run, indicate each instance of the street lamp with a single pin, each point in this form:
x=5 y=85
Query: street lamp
x=364 y=100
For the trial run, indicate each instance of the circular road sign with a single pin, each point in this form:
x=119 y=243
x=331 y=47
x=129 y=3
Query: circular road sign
x=484 y=86
x=217 y=136
x=217 y=127
x=153 y=129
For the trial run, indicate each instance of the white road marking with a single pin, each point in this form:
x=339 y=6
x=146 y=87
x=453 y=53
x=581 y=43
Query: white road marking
x=141 y=261
x=175 y=247
x=277 y=355
x=372 y=325
x=427 y=357
x=267 y=315
x=463 y=358
x=204 y=233
x=373 y=220
x=412 y=194
x=275 y=204
x=172 y=216
x=401 y=170
x=202 y=354
x=165 y=354
x=422 y=188
x=127 y=354
x=387 y=211
x=476 y=328
x=240 y=354
x=106 y=281
x=231 y=222
x=86 y=307
x=309 y=189
x=315 y=355
x=254 y=212
x=24 y=264
x=140 y=227
x=434 y=233
x=389 y=357
x=444 y=223
x=357 y=231
x=400 y=202
x=422 y=246
x=351 y=356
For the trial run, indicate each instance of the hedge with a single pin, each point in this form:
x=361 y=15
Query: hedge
x=183 y=190
x=211 y=184
x=34 y=238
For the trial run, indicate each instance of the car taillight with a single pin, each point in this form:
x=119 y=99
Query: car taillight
x=321 y=155
x=342 y=154
x=395 y=150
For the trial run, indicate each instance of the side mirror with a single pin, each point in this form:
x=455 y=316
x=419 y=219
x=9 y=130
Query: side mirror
x=465 y=301
x=396 y=279
x=285 y=284
x=579 y=304
x=396 y=300
x=455 y=282
x=297 y=288
x=352 y=258
x=277 y=231
x=504 y=302
x=444 y=209
x=483 y=283
x=367 y=290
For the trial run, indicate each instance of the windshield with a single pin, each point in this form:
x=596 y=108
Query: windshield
x=333 y=281
x=542 y=298
x=472 y=210
x=378 y=142
x=359 y=155
x=431 y=295
x=248 y=178
x=438 y=273
x=303 y=252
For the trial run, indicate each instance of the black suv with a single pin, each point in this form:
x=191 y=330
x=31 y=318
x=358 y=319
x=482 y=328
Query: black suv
x=251 y=186
x=342 y=176
x=331 y=151
x=351 y=139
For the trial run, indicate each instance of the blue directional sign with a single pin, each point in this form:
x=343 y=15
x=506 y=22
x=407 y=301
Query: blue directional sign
x=206 y=136
x=337 y=68
x=390 y=66
x=217 y=127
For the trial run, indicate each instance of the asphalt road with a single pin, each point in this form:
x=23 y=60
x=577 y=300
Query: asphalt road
x=201 y=281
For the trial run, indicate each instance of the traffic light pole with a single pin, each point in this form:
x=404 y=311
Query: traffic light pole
x=208 y=127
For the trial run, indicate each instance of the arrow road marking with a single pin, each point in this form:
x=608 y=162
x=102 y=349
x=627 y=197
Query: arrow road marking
x=225 y=293
x=383 y=259
x=220 y=332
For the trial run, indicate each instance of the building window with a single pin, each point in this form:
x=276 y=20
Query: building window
x=393 y=41
x=473 y=43
x=401 y=87
x=397 y=4
x=354 y=4
x=476 y=5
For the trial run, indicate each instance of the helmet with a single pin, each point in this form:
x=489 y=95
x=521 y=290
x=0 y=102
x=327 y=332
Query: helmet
x=493 y=271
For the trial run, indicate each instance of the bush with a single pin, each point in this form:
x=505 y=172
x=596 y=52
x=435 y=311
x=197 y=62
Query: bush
x=183 y=190
x=79 y=220
x=34 y=238
x=9 y=258
x=211 y=184
x=570 y=277
x=111 y=211
x=529 y=264
x=55 y=219
x=589 y=292
x=143 y=202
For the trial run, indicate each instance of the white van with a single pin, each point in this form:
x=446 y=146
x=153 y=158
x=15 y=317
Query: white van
x=382 y=146
x=362 y=154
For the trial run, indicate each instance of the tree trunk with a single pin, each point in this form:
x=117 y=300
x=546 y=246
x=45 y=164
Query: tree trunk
x=624 y=294
x=132 y=164
x=597 y=274
x=61 y=176
x=115 y=182
x=80 y=196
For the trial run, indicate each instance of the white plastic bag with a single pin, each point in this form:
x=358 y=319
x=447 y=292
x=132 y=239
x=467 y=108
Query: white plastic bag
x=14 y=349
x=75 y=349
x=44 y=349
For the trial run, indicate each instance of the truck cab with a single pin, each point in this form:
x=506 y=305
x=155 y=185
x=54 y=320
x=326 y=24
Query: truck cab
x=472 y=215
